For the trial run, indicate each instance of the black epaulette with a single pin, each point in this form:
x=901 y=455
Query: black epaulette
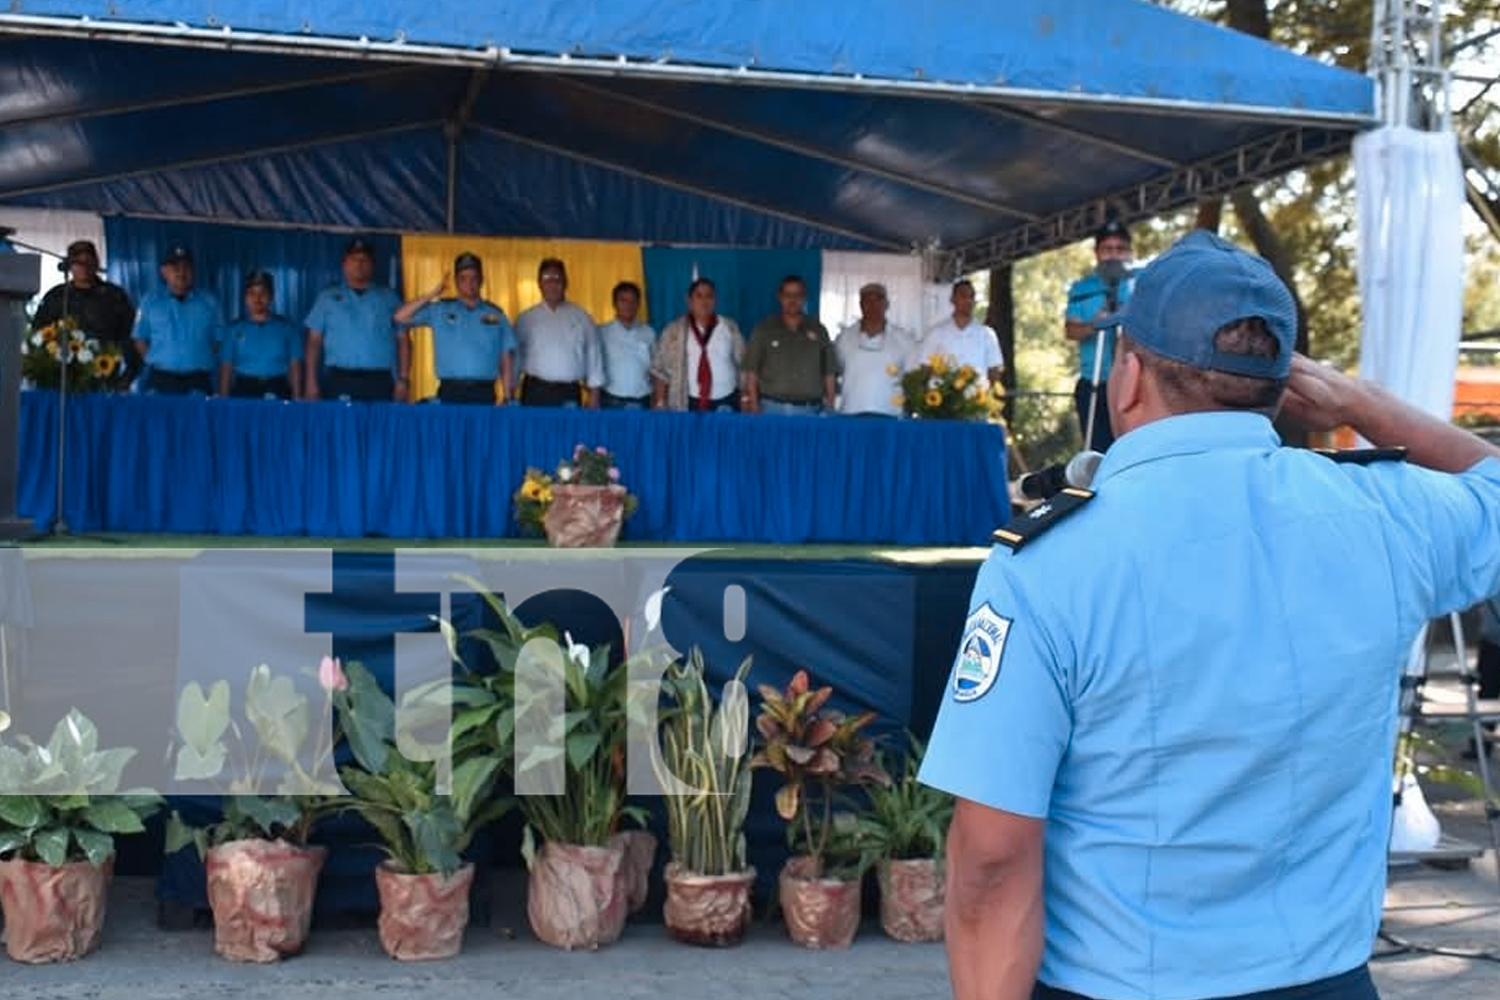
x=1040 y=518
x=1363 y=456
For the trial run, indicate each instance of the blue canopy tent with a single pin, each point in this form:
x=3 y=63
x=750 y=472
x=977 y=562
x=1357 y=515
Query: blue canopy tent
x=989 y=132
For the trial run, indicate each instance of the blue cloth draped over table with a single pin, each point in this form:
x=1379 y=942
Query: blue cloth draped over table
x=301 y=262
x=746 y=280
x=252 y=467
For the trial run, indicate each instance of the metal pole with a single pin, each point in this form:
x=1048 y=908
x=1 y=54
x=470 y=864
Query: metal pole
x=18 y=282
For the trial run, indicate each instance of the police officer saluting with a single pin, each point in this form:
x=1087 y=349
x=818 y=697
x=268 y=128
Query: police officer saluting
x=1192 y=732
x=473 y=344
x=349 y=330
x=262 y=353
x=177 y=330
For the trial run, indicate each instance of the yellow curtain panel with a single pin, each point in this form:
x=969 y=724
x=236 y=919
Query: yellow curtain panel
x=510 y=265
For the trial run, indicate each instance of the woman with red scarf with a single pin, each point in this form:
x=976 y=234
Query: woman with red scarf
x=696 y=365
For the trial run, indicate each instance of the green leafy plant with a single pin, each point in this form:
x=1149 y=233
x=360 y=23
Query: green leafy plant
x=395 y=787
x=818 y=752
x=279 y=719
x=61 y=802
x=703 y=747
x=907 y=820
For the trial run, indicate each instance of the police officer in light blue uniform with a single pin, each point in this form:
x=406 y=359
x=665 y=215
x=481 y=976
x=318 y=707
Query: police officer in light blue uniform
x=473 y=344
x=177 y=330
x=350 y=334
x=1090 y=299
x=1190 y=730
x=262 y=352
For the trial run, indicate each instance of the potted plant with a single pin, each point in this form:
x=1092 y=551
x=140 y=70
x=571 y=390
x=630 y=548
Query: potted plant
x=819 y=752
x=60 y=810
x=424 y=882
x=578 y=893
x=708 y=878
x=906 y=826
x=581 y=505
x=261 y=872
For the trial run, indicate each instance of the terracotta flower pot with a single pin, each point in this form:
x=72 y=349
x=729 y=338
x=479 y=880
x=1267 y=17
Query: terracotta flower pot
x=585 y=516
x=261 y=893
x=638 y=848
x=820 y=912
x=710 y=910
x=576 y=896
x=423 y=916
x=911 y=900
x=53 y=914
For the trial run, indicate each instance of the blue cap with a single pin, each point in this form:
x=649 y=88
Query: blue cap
x=177 y=253
x=1204 y=283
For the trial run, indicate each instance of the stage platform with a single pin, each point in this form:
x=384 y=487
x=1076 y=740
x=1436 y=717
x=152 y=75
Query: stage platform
x=114 y=625
x=237 y=467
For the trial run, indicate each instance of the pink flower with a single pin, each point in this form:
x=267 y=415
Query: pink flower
x=614 y=474
x=578 y=450
x=602 y=450
x=331 y=675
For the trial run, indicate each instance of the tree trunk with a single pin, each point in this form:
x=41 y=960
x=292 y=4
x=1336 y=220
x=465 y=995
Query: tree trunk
x=1001 y=317
x=1253 y=220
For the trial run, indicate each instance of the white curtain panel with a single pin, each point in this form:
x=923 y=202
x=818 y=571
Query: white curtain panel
x=1411 y=263
x=844 y=274
x=52 y=231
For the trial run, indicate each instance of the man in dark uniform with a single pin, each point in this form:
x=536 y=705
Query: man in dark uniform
x=101 y=309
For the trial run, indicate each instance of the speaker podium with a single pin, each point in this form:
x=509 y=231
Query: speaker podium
x=18 y=283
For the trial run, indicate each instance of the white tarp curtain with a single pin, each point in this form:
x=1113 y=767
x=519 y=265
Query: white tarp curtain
x=52 y=231
x=845 y=273
x=1411 y=263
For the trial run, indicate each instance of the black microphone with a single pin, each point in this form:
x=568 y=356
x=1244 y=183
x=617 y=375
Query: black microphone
x=1079 y=471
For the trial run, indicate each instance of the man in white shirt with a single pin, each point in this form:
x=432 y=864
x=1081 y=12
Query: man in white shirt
x=871 y=354
x=627 y=347
x=968 y=342
x=559 y=345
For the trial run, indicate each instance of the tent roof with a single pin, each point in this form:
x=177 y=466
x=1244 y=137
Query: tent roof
x=878 y=124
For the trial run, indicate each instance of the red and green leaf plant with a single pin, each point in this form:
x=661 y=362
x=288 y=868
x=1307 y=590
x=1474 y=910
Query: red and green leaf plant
x=820 y=753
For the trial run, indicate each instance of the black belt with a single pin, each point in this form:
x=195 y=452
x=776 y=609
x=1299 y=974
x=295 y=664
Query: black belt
x=543 y=392
x=256 y=387
x=179 y=383
x=732 y=401
x=815 y=401
x=467 y=390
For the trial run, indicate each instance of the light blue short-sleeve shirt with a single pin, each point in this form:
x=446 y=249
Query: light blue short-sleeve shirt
x=1194 y=680
x=1085 y=298
x=182 y=334
x=261 y=349
x=467 y=341
x=357 y=327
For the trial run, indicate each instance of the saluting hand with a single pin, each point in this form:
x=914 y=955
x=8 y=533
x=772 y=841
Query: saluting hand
x=1318 y=396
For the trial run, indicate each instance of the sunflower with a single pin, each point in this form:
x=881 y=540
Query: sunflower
x=967 y=373
x=938 y=365
x=49 y=333
x=933 y=398
x=52 y=348
x=545 y=496
x=893 y=369
x=899 y=399
x=105 y=364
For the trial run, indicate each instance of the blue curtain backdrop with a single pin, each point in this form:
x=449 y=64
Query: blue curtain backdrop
x=747 y=280
x=301 y=261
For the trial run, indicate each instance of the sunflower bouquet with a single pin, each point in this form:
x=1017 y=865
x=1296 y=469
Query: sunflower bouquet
x=942 y=389
x=532 y=500
x=91 y=364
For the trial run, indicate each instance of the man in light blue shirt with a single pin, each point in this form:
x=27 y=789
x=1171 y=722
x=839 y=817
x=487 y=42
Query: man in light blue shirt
x=473 y=345
x=1090 y=300
x=177 y=330
x=1173 y=753
x=349 y=330
x=627 y=347
x=262 y=353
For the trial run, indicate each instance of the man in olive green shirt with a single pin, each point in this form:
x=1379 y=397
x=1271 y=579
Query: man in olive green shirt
x=790 y=367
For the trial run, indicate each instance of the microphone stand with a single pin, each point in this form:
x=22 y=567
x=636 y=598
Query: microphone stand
x=60 y=521
x=1088 y=433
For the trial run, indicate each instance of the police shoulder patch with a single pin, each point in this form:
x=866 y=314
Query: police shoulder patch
x=1041 y=518
x=1363 y=456
x=979 y=654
